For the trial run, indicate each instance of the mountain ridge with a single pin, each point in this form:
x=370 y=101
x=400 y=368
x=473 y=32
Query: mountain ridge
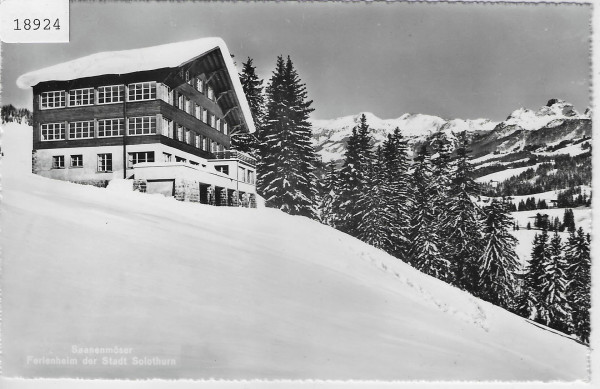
x=557 y=118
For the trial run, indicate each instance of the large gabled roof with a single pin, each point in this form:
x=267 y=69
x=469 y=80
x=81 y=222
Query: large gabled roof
x=148 y=58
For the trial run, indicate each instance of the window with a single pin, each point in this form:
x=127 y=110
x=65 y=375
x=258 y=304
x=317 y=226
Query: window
x=198 y=112
x=218 y=124
x=167 y=157
x=54 y=99
x=164 y=92
x=204 y=143
x=197 y=141
x=167 y=127
x=77 y=160
x=204 y=115
x=213 y=121
x=142 y=91
x=81 y=130
x=110 y=127
x=188 y=106
x=79 y=97
x=188 y=136
x=52 y=131
x=222 y=168
x=210 y=93
x=180 y=133
x=225 y=127
x=110 y=94
x=199 y=85
x=140 y=157
x=142 y=125
x=187 y=77
x=58 y=162
x=181 y=102
x=213 y=146
x=179 y=159
x=169 y=95
x=105 y=162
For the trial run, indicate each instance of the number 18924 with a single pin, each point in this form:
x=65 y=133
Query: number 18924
x=36 y=24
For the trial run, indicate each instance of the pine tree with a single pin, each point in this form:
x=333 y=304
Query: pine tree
x=354 y=177
x=499 y=262
x=374 y=212
x=441 y=173
x=553 y=306
x=569 y=220
x=534 y=274
x=396 y=191
x=286 y=163
x=328 y=213
x=463 y=227
x=425 y=242
x=253 y=90
x=577 y=257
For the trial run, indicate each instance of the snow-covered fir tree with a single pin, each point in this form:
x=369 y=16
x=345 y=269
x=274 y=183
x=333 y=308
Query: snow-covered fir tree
x=286 y=165
x=499 y=261
x=553 y=306
x=395 y=173
x=529 y=299
x=425 y=242
x=328 y=213
x=374 y=207
x=577 y=257
x=253 y=90
x=463 y=221
x=441 y=172
x=354 y=177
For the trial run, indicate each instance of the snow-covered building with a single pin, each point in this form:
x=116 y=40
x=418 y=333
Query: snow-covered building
x=162 y=116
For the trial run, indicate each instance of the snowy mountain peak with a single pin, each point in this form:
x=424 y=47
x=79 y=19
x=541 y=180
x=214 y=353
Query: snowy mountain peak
x=530 y=120
x=330 y=136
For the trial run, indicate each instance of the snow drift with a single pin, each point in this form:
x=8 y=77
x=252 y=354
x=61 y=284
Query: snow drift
x=236 y=293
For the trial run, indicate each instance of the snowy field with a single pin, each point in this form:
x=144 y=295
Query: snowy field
x=506 y=174
x=236 y=293
x=583 y=219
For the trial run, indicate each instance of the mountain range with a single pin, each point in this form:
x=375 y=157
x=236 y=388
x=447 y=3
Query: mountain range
x=552 y=123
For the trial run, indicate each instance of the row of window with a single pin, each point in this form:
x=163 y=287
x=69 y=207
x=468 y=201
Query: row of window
x=191 y=107
x=178 y=132
x=105 y=95
x=109 y=94
x=141 y=125
x=104 y=161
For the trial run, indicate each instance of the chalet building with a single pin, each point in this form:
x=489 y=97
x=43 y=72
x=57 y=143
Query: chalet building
x=161 y=116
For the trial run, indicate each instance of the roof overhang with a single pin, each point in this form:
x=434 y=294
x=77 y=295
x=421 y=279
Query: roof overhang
x=170 y=55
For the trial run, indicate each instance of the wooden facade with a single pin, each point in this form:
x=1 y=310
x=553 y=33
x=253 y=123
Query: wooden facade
x=209 y=68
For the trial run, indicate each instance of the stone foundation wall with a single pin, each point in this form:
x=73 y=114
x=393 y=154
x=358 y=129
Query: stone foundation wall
x=140 y=186
x=187 y=190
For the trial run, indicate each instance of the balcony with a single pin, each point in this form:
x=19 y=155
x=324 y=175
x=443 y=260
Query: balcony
x=235 y=154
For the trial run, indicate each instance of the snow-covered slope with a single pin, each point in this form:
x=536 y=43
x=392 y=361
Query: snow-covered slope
x=235 y=293
x=330 y=136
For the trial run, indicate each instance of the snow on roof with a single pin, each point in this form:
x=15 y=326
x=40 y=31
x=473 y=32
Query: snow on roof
x=148 y=58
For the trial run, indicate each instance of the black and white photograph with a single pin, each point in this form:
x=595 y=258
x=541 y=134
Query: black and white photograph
x=385 y=191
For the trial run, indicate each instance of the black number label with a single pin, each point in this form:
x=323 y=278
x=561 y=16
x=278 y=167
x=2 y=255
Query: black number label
x=36 y=24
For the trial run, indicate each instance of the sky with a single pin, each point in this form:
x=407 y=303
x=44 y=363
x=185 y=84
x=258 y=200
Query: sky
x=451 y=60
